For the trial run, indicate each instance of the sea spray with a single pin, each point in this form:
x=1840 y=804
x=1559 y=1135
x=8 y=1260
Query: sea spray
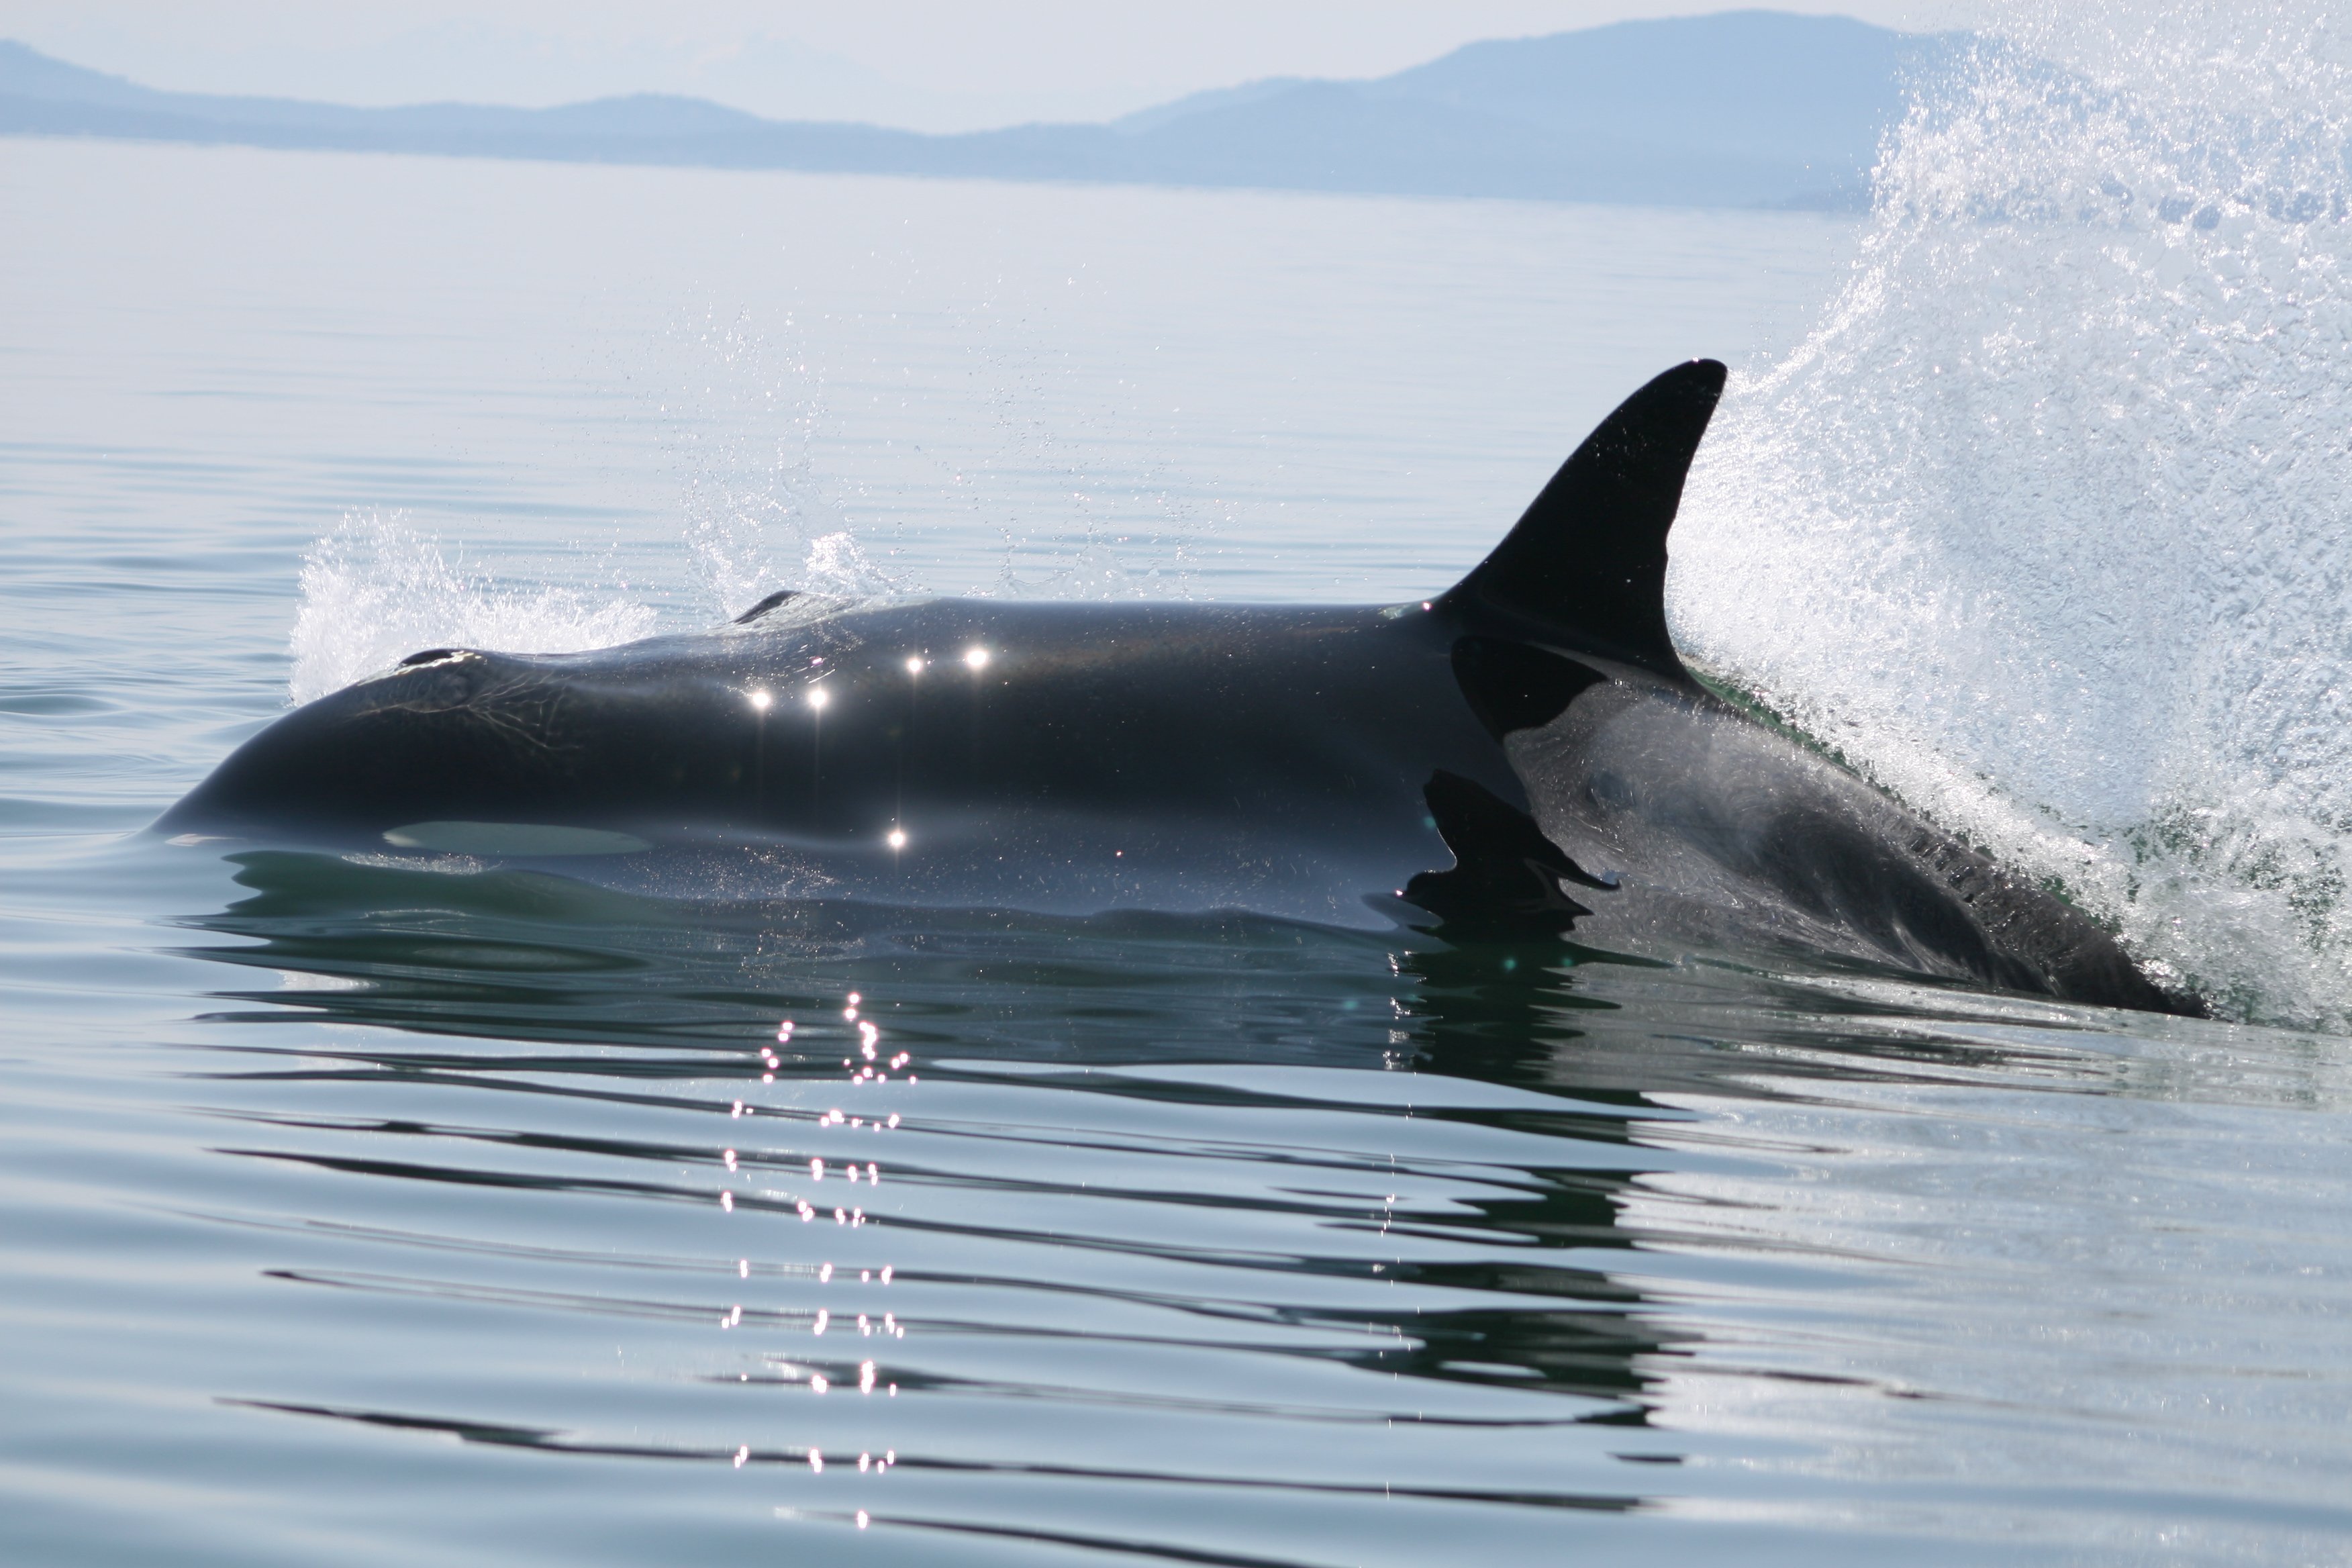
x=2048 y=526
x=749 y=430
x=375 y=590
x=754 y=513
x=752 y=517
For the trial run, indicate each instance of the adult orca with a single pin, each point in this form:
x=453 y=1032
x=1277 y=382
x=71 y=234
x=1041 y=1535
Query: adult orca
x=1524 y=755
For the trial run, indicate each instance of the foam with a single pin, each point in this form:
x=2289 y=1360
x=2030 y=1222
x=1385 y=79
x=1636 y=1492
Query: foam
x=2046 y=526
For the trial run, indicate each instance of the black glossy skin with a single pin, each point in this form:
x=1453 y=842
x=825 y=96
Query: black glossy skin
x=1175 y=755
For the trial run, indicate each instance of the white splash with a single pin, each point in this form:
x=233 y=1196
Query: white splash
x=757 y=514
x=753 y=517
x=835 y=565
x=2049 y=526
x=375 y=590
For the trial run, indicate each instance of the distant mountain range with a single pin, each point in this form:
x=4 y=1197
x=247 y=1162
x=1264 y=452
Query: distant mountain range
x=1753 y=109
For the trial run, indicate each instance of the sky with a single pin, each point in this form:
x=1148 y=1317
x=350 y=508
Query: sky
x=931 y=65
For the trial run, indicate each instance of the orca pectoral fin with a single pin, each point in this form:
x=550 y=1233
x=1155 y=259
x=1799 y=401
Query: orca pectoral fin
x=1589 y=554
x=1507 y=878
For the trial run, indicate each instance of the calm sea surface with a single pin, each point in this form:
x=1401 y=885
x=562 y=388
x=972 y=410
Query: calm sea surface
x=397 y=1212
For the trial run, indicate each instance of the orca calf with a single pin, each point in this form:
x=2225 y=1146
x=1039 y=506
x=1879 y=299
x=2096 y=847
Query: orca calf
x=1523 y=757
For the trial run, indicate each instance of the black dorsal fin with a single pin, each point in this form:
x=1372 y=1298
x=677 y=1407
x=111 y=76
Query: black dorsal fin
x=1589 y=558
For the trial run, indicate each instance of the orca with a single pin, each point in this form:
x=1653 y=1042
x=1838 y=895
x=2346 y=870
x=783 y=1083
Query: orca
x=1523 y=757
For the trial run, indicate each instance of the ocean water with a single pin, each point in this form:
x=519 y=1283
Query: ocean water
x=399 y=1211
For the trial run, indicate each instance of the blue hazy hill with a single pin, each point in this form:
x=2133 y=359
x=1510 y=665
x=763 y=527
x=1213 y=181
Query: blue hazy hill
x=1743 y=109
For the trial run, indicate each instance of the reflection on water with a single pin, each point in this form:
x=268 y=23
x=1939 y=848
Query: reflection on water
x=1133 y=1235
x=1117 y=1216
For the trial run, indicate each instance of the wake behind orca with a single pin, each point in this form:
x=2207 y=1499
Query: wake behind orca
x=1522 y=757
